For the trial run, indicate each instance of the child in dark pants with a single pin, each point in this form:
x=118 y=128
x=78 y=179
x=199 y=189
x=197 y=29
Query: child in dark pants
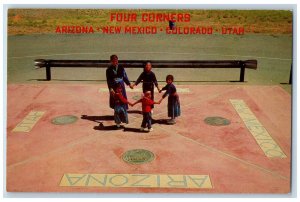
x=173 y=99
x=146 y=108
x=120 y=114
x=149 y=80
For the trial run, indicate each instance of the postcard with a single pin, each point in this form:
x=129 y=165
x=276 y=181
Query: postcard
x=149 y=100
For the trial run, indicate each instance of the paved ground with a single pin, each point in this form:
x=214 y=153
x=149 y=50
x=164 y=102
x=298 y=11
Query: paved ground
x=250 y=155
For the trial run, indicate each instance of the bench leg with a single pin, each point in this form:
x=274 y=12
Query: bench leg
x=48 y=72
x=291 y=74
x=242 y=74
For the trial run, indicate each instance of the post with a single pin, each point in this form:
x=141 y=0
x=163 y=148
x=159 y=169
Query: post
x=242 y=74
x=48 y=71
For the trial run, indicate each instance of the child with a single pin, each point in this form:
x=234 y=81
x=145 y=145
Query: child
x=149 y=80
x=173 y=99
x=121 y=102
x=146 y=108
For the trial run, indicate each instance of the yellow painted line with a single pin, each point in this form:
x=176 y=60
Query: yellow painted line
x=258 y=131
x=28 y=122
x=136 y=180
x=183 y=90
x=139 y=90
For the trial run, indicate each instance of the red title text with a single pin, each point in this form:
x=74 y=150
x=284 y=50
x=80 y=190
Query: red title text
x=150 y=17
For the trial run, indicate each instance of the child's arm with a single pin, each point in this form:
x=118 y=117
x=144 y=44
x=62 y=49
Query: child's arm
x=124 y=100
x=158 y=89
x=126 y=79
x=160 y=100
x=155 y=82
x=164 y=88
x=156 y=102
x=112 y=92
x=136 y=102
x=168 y=90
x=130 y=104
x=138 y=80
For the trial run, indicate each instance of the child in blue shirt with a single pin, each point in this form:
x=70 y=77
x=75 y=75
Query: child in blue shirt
x=173 y=99
x=149 y=80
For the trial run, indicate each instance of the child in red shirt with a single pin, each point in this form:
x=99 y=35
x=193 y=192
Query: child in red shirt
x=120 y=114
x=146 y=108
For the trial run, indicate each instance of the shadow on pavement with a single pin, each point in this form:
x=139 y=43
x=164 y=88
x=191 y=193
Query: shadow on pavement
x=112 y=127
x=160 y=121
x=134 y=112
x=98 y=119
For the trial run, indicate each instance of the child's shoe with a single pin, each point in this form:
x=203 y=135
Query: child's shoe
x=150 y=129
x=118 y=125
x=142 y=129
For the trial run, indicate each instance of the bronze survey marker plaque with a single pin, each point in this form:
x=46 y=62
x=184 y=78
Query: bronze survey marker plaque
x=138 y=156
x=216 y=121
x=63 y=120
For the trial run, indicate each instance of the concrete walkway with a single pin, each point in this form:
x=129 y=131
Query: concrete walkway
x=249 y=155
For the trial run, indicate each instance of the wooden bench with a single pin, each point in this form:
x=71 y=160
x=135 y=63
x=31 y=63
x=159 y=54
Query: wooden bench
x=240 y=64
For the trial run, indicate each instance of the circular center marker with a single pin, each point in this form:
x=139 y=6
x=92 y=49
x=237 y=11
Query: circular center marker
x=63 y=120
x=138 y=156
x=216 y=121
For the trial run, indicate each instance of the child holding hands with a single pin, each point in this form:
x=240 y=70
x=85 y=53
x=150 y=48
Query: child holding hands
x=147 y=102
x=173 y=99
x=120 y=110
x=149 y=80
